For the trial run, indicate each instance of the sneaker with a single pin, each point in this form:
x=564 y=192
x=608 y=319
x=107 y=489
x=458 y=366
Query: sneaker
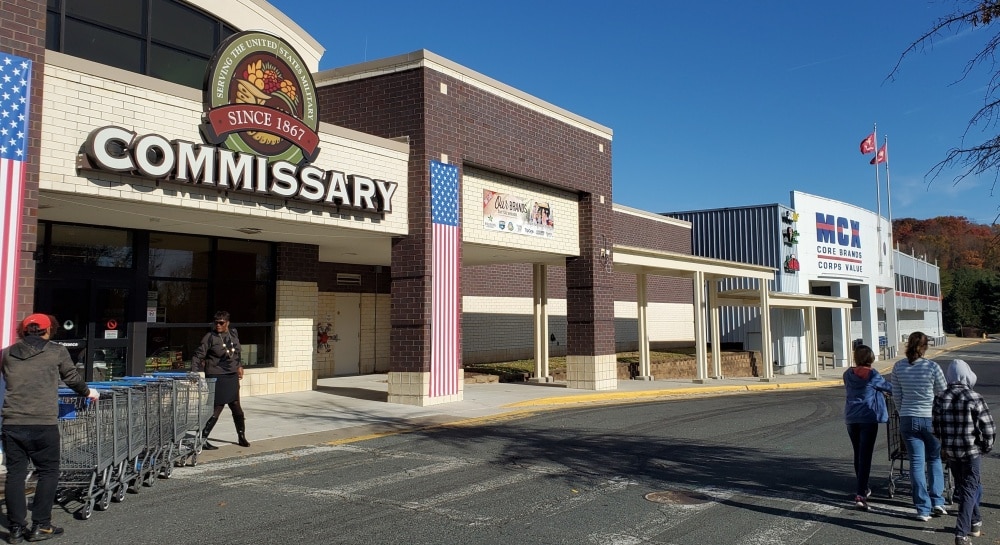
x=41 y=532
x=860 y=503
x=963 y=540
x=923 y=518
x=977 y=529
x=209 y=446
x=939 y=510
x=15 y=533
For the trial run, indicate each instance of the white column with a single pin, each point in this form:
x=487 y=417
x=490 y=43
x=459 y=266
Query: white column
x=841 y=329
x=713 y=313
x=701 y=358
x=645 y=372
x=541 y=314
x=766 y=351
x=891 y=325
x=869 y=316
x=812 y=346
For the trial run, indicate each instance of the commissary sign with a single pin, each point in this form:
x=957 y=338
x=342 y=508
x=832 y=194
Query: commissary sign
x=259 y=134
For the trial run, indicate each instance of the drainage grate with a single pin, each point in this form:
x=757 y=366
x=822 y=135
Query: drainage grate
x=673 y=497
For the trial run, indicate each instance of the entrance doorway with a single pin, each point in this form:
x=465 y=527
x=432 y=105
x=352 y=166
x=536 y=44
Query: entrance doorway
x=93 y=323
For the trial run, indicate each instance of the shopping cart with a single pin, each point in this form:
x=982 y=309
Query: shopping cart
x=899 y=474
x=87 y=449
x=159 y=429
x=194 y=398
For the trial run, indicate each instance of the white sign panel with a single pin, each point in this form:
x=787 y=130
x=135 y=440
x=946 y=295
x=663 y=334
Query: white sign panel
x=842 y=241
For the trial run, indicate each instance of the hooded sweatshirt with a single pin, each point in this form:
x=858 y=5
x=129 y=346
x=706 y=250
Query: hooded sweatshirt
x=864 y=387
x=961 y=417
x=32 y=368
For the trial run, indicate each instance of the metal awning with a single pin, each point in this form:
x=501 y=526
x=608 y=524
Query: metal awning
x=780 y=299
x=644 y=261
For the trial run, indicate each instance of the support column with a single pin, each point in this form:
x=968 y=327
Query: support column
x=642 y=304
x=869 y=317
x=766 y=350
x=701 y=358
x=841 y=328
x=591 y=362
x=713 y=312
x=541 y=313
x=892 y=324
x=812 y=346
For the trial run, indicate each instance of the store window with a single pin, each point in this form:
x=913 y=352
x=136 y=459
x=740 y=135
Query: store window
x=190 y=278
x=84 y=246
x=166 y=39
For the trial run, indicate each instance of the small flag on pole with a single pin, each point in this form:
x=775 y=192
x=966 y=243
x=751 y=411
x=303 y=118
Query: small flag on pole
x=15 y=78
x=880 y=157
x=868 y=144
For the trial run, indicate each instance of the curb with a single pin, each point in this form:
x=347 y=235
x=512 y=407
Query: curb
x=523 y=409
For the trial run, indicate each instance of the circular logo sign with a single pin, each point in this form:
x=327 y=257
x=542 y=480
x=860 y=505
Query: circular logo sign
x=259 y=98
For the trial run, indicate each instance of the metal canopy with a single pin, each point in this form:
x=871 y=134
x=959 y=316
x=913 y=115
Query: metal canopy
x=780 y=299
x=655 y=262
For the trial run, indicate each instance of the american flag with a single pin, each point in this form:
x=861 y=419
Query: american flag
x=15 y=75
x=446 y=238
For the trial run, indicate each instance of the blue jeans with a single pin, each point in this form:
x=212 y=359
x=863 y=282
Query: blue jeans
x=926 y=473
x=863 y=439
x=968 y=493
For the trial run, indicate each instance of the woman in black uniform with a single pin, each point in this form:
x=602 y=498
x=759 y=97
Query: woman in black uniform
x=218 y=356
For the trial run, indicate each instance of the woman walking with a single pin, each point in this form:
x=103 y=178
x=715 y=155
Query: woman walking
x=219 y=357
x=915 y=382
x=864 y=410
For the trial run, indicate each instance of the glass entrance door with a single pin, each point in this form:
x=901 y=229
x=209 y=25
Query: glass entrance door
x=93 y=321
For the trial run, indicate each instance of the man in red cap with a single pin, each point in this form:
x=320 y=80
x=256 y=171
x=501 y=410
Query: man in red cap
x=32 y=368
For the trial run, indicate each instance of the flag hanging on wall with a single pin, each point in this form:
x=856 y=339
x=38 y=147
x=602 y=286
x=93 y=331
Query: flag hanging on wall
x=444 y=279
x=15 y=85
x=868 y=144
x=880 y=157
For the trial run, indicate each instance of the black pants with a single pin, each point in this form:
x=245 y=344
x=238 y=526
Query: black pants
x=40 y=445
x=863 y=439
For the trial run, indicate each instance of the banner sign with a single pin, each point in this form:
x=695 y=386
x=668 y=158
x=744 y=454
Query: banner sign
x=517 y=215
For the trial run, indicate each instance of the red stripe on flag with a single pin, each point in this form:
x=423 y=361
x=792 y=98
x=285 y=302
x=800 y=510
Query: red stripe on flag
x=444 y=311
x=12 y=187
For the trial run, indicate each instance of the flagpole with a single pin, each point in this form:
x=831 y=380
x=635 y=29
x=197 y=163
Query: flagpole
x=878 y=196
x=888 y=192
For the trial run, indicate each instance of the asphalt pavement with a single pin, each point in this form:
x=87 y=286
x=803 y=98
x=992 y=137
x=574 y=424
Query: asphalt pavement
x=348 y=409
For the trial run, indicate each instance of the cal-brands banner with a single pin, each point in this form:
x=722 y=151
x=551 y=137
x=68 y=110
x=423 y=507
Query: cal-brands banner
x=517 y=215
x=259 y=133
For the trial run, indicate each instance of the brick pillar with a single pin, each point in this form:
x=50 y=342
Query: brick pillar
x=22 y=33
x=590 y=359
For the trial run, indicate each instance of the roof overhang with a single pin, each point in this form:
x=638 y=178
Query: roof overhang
x=780 y=299
x=645 y=261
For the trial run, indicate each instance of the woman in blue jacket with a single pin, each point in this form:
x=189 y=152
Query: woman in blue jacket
x=864 y=411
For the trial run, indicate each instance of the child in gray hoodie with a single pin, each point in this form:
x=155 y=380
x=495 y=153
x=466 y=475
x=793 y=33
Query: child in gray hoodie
x=963 y=422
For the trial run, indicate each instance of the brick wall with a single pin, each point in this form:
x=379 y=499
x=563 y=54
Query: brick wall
x=22 y=33
x=443 y=115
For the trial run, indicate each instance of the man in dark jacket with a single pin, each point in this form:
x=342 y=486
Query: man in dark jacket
x=32 y=368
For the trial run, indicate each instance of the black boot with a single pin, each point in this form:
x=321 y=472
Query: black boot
x=241 y=429
x=207 y=430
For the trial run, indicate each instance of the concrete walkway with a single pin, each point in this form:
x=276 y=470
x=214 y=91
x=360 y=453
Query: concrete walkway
x=347 y=409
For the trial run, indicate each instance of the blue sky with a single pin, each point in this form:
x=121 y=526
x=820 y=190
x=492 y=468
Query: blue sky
x=714 y=104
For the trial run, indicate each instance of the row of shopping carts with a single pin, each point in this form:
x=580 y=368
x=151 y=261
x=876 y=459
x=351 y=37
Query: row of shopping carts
x=138 y=430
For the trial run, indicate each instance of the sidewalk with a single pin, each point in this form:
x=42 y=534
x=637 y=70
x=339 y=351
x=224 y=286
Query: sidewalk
x=347 y=409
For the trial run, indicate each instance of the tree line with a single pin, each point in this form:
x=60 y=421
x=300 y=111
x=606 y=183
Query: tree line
x=966 y=254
